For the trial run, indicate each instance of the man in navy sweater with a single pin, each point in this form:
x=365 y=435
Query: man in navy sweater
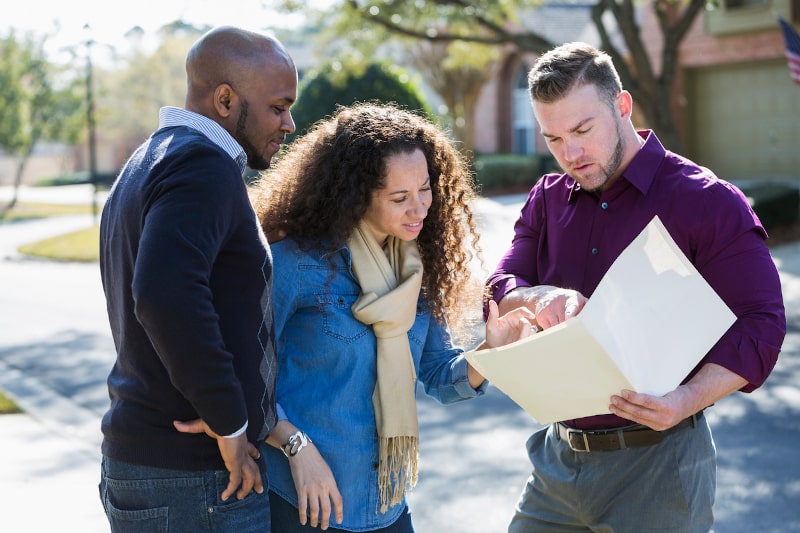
x=187 y=276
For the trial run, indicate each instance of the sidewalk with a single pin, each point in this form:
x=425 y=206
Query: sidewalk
x=48 y=481
x=50 y=467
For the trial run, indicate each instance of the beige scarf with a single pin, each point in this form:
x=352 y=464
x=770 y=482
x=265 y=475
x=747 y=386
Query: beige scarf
x=390 y=284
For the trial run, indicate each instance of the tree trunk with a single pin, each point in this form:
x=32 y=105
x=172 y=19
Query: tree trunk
x=21 y=162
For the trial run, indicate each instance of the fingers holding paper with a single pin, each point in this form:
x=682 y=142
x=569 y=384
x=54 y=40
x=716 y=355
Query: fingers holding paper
x=711 y=383
x=512 y=326
x=556 y=305
x=551 y=305
x=655 y=412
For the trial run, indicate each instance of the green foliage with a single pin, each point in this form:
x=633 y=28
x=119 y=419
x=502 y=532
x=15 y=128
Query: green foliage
x=103 y=179
x=446 y=41
x=13 y=64
x=332 y=85
x=39 y=101
x=131 y=97
x=500 y=173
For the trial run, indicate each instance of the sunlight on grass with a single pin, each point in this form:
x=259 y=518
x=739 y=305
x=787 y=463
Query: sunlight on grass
x=82 y=245
x=31 y=210
x=7 y=406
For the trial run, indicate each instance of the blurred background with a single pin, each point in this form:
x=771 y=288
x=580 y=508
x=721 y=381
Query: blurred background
x=83 y=81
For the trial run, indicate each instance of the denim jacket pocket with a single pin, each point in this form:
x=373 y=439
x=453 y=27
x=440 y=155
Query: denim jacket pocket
x=337 y=317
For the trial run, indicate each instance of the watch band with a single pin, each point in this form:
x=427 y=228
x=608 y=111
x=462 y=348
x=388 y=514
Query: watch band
x=296 y=442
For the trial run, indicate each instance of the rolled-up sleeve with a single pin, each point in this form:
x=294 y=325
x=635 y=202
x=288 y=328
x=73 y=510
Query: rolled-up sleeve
x=443 y=367
x=744 y=275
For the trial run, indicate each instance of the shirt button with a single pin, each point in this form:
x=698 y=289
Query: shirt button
x=604 y=205
x=595 y=251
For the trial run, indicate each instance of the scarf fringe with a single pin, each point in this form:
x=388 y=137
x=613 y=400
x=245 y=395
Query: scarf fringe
x=398 y=468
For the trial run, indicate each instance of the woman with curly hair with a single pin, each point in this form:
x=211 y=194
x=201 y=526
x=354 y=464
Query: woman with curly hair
x=374 y=206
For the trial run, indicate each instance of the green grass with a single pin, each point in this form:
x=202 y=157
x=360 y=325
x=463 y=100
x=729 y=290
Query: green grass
x=82 y=245
x=28 y=211
x=7 y=406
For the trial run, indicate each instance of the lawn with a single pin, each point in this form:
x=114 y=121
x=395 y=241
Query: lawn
x=31 y=210
x=7 y=406
x=82 y=245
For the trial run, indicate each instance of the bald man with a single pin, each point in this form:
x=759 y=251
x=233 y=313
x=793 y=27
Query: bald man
x=187 y=276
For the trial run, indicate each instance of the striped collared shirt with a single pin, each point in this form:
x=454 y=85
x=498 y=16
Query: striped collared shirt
x=169 y=116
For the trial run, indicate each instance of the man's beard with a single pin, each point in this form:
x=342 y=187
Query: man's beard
x=254 y=158
x=609 y=169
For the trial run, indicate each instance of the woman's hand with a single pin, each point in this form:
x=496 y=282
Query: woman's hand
x=316 y=488
x=511 y=327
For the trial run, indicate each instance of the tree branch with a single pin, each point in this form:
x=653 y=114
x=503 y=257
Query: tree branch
x=526 y=42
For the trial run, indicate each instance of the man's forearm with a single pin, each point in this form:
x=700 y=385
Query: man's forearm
x=711 y=383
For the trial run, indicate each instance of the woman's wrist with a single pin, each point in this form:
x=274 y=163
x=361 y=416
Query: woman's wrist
x=295 y=443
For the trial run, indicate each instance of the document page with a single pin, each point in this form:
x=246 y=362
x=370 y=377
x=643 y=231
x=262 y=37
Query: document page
x=650 y=321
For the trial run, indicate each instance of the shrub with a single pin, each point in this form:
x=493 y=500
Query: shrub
x=498 y=173
x=104 y=179
x=329 y=86
x=775 y=203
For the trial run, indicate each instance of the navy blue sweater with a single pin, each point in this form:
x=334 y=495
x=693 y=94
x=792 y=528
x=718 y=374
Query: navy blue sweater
x=187 y=276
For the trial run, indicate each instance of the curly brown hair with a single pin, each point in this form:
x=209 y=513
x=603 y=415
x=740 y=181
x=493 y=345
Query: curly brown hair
x=321 y=187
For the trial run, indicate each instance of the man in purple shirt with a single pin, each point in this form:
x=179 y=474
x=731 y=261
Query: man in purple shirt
x=651 y=462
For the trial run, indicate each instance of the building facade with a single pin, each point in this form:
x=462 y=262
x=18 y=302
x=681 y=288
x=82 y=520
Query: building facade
x=736 y=107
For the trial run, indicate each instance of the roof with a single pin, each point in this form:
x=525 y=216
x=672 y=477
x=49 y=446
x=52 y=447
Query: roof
x=562 y=21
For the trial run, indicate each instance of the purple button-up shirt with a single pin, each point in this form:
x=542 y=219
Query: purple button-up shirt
x=568 y=237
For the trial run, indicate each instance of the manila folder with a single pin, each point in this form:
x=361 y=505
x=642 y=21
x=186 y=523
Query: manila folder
x=650 y=320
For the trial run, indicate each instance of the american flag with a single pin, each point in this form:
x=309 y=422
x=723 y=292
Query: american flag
x=792 y=40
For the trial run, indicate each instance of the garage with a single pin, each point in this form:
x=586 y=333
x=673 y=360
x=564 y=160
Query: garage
x=743 y=120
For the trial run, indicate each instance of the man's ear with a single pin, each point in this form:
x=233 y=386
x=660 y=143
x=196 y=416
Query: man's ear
x=224 y=96
x=625 y=104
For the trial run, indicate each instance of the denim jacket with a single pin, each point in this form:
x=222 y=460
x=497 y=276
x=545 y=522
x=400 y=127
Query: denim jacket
x=326 y=375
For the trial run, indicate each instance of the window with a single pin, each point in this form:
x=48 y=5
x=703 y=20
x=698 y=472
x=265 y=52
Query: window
x=523 y=123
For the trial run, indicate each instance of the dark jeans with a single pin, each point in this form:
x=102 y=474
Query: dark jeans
x=145 y=499
x=285 y=520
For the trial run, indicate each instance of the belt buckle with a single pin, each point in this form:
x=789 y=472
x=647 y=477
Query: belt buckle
x=584 y=437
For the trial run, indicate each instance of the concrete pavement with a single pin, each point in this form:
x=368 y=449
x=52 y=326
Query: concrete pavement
x=55 y=352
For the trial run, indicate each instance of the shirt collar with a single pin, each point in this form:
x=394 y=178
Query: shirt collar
x=641 y=171
x=175 y=116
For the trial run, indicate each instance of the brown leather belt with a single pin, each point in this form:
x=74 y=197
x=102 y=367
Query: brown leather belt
x=604 y=440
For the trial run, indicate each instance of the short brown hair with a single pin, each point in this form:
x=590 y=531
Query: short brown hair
x=570 y=65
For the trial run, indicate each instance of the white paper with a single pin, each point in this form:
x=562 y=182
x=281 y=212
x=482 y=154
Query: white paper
x=650 y=321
